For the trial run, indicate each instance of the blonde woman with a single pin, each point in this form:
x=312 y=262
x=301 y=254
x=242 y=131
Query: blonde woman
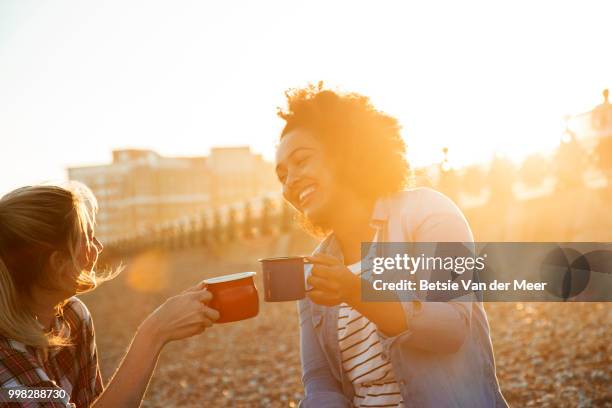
x=48 y=251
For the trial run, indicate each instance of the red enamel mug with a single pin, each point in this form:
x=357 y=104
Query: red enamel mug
x=234 y=296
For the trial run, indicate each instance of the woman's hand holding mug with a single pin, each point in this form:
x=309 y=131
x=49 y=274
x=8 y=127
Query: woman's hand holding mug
x=182 y=316
x=332 y=283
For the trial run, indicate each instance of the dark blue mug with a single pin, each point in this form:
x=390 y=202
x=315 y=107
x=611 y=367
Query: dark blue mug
x=284 y=278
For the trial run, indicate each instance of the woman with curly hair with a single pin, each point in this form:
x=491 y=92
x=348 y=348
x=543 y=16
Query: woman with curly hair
x=48 y=253
x=342 y=166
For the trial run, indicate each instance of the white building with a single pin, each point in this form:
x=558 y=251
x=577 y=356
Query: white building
x=141 y=189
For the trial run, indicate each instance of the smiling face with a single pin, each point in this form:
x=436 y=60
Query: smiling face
x=337 y=155
x=307 y=176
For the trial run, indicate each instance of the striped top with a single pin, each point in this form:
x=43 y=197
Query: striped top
x=362 y=360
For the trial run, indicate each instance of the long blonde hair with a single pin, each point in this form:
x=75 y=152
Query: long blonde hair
x=36 y=221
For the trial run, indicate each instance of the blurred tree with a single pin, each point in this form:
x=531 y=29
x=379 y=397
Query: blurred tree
x=217 y=227
x=448 y=181
x=230 y=228
x=182 y=233
x=178 y=234
x=167 y=237
x=602 y=118
x=247 y=223
x=265 y=218
x=534 y=170
x=604 y=157
x=570 y=162
x=194 y=230
x=158 y=237
x=501 y=177
x=473 y=179
x=286 y=217
x=204 y=230
x=420 y=178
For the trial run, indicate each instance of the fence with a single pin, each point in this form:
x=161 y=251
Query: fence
x=255 y=218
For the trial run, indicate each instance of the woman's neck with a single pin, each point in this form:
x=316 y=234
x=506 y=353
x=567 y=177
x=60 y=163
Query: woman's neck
x=42 y=303
x=352 y=228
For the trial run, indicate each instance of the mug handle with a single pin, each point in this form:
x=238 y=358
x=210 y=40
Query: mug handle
x=306 y=262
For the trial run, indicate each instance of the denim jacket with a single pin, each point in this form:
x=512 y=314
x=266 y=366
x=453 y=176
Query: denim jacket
x=445 y=357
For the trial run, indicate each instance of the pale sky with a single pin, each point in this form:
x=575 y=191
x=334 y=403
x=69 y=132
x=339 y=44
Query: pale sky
x=80 y=78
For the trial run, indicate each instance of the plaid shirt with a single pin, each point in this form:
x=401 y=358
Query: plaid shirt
x=73 y=368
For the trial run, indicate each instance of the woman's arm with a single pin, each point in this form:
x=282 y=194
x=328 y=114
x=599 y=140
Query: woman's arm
x=433 y=326
x=179 y=317
x=127 y=387
x=321 y=388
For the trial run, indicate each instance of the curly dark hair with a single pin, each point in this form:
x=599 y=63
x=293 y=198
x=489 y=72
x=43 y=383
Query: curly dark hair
x=365 y=143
